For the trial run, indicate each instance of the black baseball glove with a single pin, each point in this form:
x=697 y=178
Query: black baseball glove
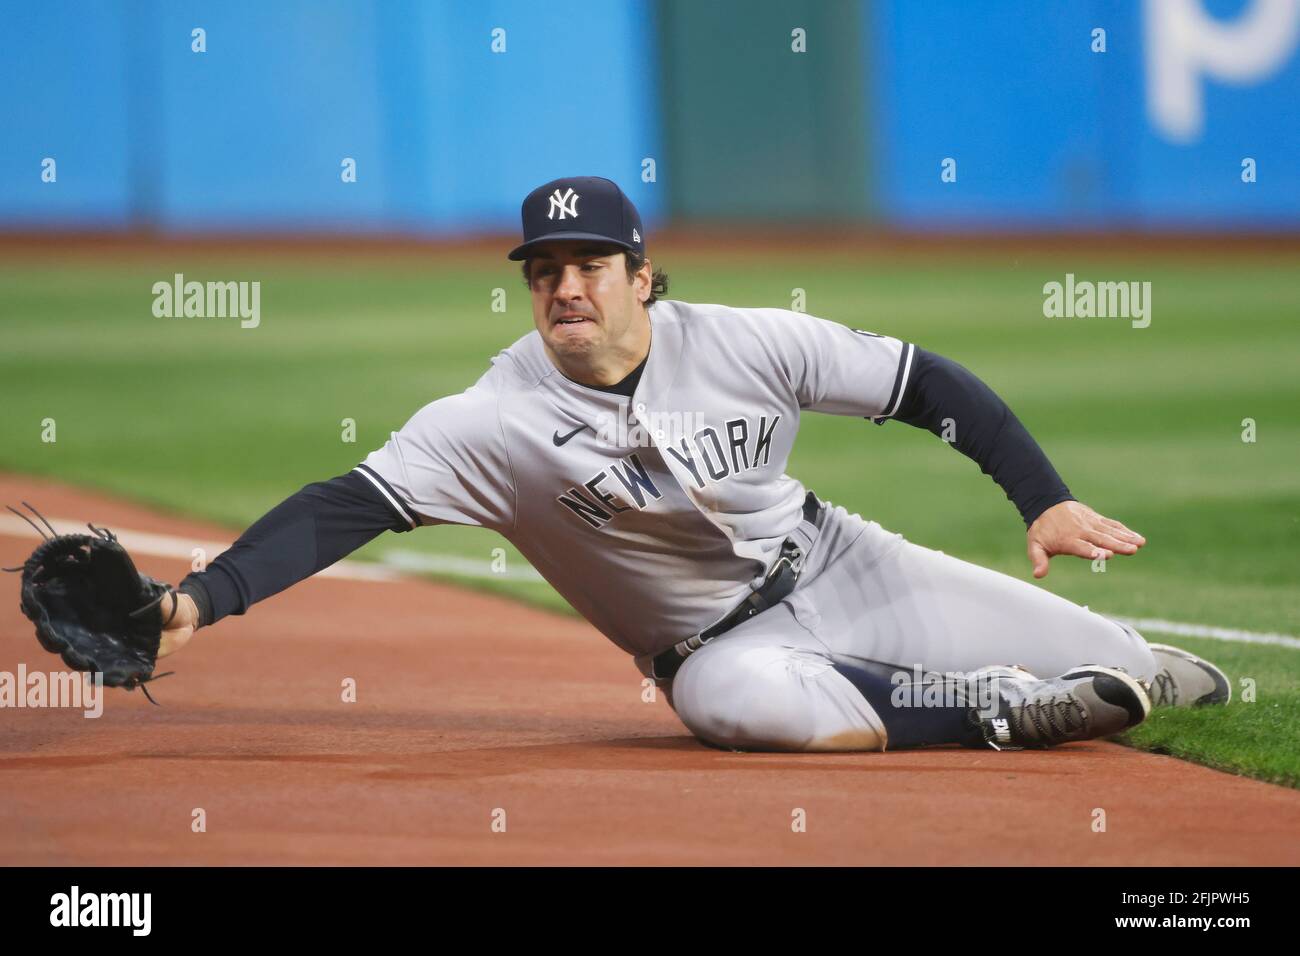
x=92 y=607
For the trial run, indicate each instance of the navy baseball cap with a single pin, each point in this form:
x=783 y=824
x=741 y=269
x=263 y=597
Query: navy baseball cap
x=579 y=207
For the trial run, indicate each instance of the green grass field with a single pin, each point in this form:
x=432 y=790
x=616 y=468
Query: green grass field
x=201 y=417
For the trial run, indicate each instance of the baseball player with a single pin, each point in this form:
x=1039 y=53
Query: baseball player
x=634 y=449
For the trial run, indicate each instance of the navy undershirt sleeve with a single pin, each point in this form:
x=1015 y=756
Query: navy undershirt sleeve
x=983 y=428
x=307 y=532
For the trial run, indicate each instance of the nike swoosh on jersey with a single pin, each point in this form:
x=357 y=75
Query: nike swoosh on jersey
x=561 y=440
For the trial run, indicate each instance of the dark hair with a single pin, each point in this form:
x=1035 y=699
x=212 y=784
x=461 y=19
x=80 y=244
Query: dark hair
x=634 y=262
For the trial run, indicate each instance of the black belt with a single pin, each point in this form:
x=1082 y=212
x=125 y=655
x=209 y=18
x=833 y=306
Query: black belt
x=776 y=586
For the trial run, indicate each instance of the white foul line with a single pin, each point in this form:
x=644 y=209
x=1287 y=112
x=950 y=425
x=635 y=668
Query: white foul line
x=394 y=563
x=1161 y=626
x=452 y=564
x=172 y=546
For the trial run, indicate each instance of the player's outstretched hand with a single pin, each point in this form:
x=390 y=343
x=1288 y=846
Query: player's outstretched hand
x=178 y=633
x=1071 y=527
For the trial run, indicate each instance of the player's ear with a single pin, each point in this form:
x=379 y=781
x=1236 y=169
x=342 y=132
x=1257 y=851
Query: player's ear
x=641 y=280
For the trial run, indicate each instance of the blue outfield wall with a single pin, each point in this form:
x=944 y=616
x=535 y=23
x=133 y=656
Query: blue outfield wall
x=64 y=96
x=447 y=135
x=1047 y=133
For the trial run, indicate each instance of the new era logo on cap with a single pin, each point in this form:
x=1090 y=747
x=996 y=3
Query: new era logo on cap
x=579 y=207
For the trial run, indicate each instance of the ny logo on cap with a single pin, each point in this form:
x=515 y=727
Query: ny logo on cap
x=568 y=203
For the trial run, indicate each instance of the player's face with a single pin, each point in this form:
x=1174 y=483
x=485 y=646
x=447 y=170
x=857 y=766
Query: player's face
x=583 y=302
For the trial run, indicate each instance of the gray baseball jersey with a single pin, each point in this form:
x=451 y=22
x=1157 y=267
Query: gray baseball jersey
x=652 y=516
x=655 y=516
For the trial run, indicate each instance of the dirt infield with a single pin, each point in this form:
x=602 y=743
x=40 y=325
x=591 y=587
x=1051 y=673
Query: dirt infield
x=468 y=704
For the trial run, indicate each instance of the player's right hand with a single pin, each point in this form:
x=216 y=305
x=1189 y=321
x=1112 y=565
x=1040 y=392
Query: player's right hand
x=178 y=633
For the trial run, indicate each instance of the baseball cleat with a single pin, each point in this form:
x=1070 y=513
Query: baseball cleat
x=993 y=675
x=1185 y=680
x=1010 y=671
x=1081 y=704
